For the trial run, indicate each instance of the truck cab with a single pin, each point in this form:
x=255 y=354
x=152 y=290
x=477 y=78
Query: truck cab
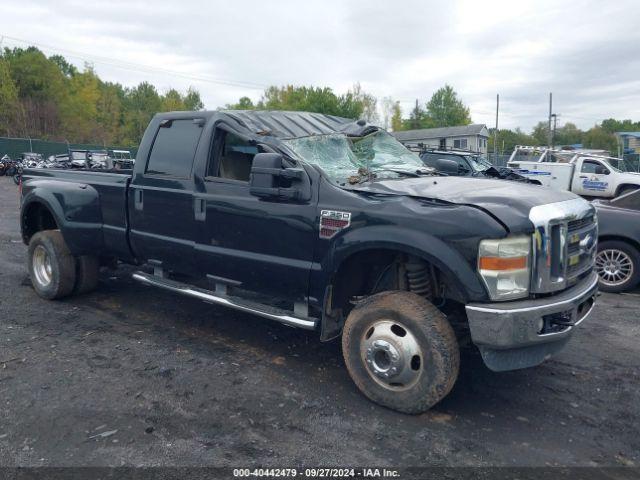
x=582 y=173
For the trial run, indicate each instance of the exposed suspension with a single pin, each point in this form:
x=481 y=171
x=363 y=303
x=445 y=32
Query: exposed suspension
x=419 y=277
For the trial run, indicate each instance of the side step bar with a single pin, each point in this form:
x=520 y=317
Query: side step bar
x=236 y=303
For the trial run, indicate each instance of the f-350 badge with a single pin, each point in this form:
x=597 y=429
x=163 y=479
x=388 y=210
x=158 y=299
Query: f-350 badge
x=332 y=221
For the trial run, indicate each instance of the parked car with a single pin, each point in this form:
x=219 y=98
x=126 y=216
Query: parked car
x=467 y=164
x=330 y=225
x=618 y=258
x=581 y=173
x=122 y=159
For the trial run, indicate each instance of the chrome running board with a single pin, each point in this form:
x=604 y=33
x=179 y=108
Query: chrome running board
x=272 y=313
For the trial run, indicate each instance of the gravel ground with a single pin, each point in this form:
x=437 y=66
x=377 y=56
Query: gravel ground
x=130 y=375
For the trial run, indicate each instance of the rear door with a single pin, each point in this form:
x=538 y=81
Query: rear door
x=261 y=245
x=593 y=178
x=161 y=201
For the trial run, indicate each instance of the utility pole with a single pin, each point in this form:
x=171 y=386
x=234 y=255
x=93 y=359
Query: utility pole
x=550 y=110
x=553 y=132
x=495 y=140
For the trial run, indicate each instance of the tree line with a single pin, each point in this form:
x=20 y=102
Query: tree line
x=49 y=98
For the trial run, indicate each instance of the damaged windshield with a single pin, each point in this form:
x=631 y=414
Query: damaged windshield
x=479 y=163
x=356 y=159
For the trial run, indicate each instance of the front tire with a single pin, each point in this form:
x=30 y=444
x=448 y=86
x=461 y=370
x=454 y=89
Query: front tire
x=51 y=266
x=400 y=351
x=618 y=266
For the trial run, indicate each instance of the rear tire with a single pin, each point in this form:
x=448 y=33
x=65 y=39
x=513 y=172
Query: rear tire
x=51 y=266
x=400 y=351
x=87 y=273
x=618 y=266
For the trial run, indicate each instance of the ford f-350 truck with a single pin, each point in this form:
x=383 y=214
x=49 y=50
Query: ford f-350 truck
x=330 y=225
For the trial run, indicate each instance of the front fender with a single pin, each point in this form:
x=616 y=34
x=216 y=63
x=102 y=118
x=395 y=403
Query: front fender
x=75 y=208
x=448 y=260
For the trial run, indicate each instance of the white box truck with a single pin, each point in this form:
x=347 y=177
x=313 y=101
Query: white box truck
x=582 y=173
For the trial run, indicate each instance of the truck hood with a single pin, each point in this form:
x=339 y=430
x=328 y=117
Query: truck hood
x=508 y=202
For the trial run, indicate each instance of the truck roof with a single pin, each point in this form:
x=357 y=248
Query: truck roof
x=278 y=124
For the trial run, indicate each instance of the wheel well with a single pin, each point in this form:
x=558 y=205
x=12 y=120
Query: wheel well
x=371 y=271
x=37 y=217
x=635 y=244
x=626 y=186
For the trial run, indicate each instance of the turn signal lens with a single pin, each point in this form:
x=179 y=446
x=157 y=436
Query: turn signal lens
x=498 y=263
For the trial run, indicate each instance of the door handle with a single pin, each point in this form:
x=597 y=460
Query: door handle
x=583 y=176
x=138 y=198
x=200 y=208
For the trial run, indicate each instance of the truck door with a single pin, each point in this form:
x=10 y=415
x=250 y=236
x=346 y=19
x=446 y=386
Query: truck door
x=161 y=206
x=592 y=178
x=244 y=241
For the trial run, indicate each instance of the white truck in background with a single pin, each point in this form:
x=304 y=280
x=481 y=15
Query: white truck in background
x=579 y=172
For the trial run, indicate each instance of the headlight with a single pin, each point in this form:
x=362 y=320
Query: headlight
x=505 y=267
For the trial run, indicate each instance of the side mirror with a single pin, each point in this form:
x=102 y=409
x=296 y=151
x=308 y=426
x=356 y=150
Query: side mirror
x=448 y=167
x=271 y=179
x=600 y=170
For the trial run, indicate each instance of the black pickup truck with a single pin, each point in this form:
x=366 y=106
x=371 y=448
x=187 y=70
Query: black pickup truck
x=330 y=225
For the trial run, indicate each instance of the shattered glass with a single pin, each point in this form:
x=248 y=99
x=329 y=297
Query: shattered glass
x=342 y=157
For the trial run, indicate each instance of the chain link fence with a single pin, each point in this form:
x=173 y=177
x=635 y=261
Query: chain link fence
x=15 y=146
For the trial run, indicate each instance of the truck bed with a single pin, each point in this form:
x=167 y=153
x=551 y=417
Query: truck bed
x=101 y=197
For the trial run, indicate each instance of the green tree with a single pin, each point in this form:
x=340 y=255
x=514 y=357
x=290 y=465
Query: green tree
x=568 y=134
x=355 y=103
x=396 y=117
x=109 y=113
x=42 y=90
x=445 y=109
x=172 y=101
x=245 y=103
x=79 y=112
x=68 y=69
x=540 y=133
x=611 y=125
x=417 y=118
x=598 y=137
x=192 y=100
x=9 y=104
x=508 y=139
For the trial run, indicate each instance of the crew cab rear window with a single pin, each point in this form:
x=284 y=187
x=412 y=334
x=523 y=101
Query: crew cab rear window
x=174 y=148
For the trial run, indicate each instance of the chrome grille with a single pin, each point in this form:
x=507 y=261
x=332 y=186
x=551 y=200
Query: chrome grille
x=581 y=248
x=564 y=244
x=581 y=223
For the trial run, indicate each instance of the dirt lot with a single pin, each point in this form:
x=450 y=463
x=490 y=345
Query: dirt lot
x=130 y=375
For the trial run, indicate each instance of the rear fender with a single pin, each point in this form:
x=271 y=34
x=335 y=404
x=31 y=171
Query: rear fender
x=75 y=208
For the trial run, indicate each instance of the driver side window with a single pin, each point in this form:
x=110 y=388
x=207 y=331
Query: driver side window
x=463 y=167
x=589 y=166
x=235 y=158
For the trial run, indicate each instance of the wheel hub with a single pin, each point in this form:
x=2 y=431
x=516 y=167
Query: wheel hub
x=42 y=266
x=392 y=355
x=384 y=359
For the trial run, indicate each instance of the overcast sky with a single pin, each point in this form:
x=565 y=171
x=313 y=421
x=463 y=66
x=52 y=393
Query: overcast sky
x=586 y=52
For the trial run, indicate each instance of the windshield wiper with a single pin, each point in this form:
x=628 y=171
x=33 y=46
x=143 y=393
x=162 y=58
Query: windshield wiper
x=365 y=175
